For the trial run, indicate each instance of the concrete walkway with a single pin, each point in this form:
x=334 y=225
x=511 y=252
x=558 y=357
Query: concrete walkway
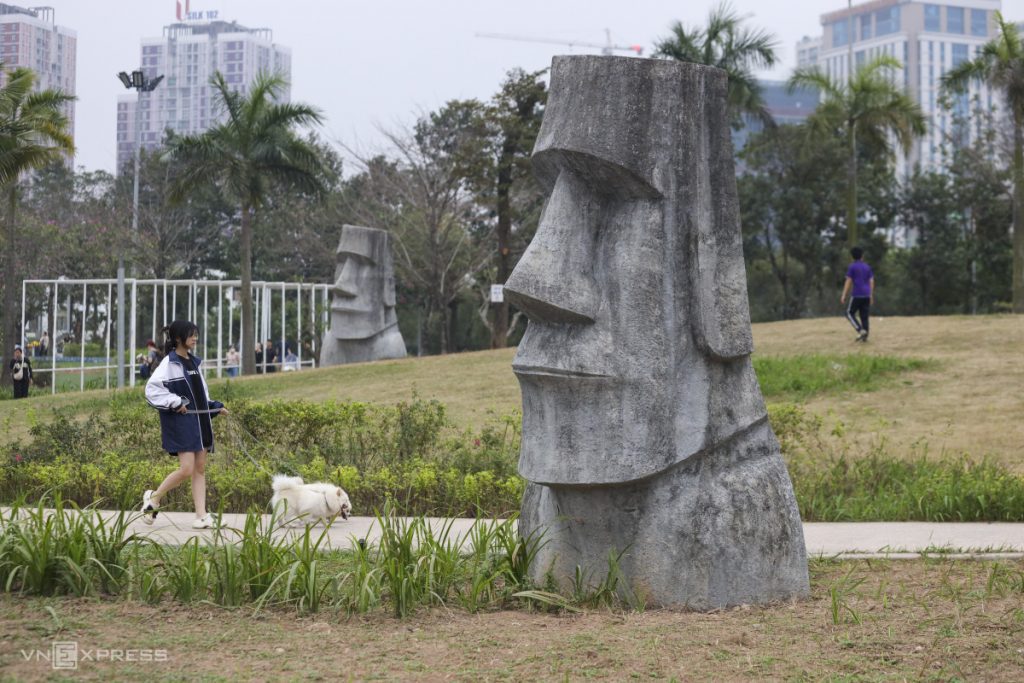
x=895 y=540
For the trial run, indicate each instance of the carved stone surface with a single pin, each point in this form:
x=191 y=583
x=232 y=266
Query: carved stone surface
x=644 y=429
x=364 y=326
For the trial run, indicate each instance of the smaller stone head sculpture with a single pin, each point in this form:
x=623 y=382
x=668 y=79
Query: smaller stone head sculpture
x=364 y=284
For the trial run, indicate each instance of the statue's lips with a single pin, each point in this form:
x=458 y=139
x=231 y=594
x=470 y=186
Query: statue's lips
x=351 y=309
x=545 y=371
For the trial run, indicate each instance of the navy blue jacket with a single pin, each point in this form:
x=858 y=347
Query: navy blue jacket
x=166 y=388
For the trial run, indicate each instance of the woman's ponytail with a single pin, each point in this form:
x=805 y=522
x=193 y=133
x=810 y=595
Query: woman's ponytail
x=168 y=345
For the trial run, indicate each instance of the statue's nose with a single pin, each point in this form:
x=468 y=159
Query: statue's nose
x=554 y=282
x=347 y=284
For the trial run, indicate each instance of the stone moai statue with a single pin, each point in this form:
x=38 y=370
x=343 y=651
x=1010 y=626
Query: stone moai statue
x=363 y=322
x=644 y=429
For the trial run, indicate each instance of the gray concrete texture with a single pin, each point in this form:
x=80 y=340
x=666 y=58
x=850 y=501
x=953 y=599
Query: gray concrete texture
x=364 y=325
x=644 y=429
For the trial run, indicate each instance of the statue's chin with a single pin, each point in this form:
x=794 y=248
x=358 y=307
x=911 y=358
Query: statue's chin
x=587 y=431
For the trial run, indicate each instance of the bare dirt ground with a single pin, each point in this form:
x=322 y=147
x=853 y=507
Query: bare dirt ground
x=868 y=620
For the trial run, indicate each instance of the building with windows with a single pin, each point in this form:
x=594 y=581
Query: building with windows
x=928 y=39
x=785 y=108
x=187 y=55
x=32 y=38
x=807 y=50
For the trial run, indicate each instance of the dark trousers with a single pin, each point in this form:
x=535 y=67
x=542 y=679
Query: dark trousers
x=859 y=307
x=21 y=388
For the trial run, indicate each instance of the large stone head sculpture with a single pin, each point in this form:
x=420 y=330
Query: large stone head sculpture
x=634 y=284
x=364 y=325
x=640 y=404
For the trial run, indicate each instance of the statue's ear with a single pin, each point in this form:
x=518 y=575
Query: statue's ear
x=389 y=272
x=722 y=311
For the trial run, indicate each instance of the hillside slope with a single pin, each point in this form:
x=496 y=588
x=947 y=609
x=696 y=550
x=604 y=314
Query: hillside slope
x=971 y=401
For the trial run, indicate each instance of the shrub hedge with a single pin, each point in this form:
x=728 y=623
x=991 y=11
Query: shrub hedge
x=407 y=453
x=410 y=455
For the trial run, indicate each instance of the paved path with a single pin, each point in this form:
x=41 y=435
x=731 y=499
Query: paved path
x=845 y=540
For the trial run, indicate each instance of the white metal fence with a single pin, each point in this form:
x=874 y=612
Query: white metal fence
x=213 y=305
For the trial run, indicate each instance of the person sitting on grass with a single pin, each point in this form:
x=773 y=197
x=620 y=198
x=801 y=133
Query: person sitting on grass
x=178 y=390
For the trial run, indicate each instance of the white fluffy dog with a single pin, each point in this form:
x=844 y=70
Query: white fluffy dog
x=309 y=503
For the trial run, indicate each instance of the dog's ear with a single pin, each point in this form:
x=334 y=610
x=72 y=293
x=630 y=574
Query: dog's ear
x=340 y=493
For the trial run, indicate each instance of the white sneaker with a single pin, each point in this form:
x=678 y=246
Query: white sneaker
x=204 y=522
x=149 y=508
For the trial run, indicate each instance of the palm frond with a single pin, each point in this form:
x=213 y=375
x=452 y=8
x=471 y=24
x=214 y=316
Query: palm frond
x=725 y=43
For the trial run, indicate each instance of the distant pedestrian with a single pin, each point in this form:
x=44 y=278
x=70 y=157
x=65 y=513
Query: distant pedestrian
x=232 y=361
x=153 y=356
x=259 y=358
x=269 y=357
x=291 y=361
x=142 y=367
x=860 y=282
x=21 y=373
x=44 y=345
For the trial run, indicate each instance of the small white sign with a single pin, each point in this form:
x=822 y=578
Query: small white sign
x=497 y=294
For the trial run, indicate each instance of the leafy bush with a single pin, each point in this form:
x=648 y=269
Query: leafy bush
x=407 y=453
x=409 y=456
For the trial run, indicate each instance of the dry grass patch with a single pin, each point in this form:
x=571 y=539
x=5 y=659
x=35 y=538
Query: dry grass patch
x=973 y=404
x=866 y=620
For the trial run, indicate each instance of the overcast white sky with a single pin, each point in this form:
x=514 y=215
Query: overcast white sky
x=380 y=62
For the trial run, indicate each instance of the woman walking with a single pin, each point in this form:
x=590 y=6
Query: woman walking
x=178 y=390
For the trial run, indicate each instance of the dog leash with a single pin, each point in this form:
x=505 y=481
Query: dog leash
x=233 y=421
x=236 y=423
x=185 y=401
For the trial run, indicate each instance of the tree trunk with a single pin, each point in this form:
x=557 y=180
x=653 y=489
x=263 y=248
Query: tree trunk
x=453 y=325
x=443 y=310
x=499 y=333
x=1018 y=212
x=247 y=336
x=419 y=330
x=851 y=200
x=11 y=284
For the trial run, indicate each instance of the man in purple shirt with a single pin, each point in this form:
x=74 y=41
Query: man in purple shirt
x=861 y=280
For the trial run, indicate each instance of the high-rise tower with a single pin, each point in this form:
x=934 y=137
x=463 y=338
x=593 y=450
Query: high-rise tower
x=187 y=54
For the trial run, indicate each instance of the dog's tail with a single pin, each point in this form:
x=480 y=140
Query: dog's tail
x=283 y=482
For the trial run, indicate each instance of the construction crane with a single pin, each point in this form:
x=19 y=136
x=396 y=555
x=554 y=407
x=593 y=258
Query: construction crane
x=607 y=47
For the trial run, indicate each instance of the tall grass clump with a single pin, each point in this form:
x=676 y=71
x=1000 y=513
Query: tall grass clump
x=834 y=485
x=305 y=582
x=417 y=563
x=797 y=378
x=64 y=549
x=262 y=554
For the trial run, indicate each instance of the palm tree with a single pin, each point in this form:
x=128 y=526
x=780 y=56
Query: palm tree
x=254 y=147
x=33 y=134
x=1000 y=64
x=867 y=108
x=726 y=44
